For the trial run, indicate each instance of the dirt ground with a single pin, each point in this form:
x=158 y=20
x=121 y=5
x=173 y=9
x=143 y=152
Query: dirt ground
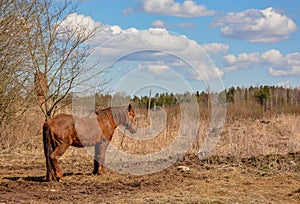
x=265 y=179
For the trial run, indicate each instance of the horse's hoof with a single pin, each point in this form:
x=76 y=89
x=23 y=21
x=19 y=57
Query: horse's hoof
x=96 y=172
x=59 y=179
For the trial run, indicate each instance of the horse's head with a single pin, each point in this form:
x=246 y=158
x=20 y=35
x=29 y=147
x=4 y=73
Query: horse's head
x=131 y=124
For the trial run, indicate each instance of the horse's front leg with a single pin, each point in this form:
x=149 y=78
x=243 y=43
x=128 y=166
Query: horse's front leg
x=100 y=150
x=96 y=158
x=103 y=148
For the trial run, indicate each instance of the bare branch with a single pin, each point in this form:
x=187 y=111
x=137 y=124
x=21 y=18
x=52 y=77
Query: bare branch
x=58 y=50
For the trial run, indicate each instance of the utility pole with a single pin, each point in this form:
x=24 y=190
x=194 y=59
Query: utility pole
x=149 y=103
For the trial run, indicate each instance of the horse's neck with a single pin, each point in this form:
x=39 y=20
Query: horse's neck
x=118 y=116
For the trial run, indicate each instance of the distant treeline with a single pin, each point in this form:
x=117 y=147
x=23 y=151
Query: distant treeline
x=269 y=98
x=262 y=101
x=251 y=101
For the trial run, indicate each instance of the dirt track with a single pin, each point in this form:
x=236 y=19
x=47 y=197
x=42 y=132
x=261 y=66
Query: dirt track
x=274 y=179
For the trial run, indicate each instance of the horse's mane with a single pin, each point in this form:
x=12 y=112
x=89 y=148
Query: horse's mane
x=119 y=114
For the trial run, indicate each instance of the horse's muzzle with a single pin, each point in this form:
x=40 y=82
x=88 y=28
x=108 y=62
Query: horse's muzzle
x=131 y=129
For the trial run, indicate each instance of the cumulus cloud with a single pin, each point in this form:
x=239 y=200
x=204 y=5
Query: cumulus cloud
x=157 y=44
x=158 y=68
x=288 y=65
x=158 y=24
x=187 y=9
x=277 y=63
x=272 y=56
x=256 y=26
x=215 y=48
x=162 y=24
x=77 y=25
x=243 y=60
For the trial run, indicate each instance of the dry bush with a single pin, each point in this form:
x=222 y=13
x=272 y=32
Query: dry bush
x=23 y=135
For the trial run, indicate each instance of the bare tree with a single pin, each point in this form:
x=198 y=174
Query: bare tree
x=58 y=48
x=14 y=74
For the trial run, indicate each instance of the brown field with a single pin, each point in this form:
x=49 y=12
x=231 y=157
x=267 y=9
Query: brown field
x=256 y=161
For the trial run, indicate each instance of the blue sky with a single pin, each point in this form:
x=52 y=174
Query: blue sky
x=250 y=42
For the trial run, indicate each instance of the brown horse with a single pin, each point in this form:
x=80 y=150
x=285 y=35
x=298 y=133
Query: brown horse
x=63 y=131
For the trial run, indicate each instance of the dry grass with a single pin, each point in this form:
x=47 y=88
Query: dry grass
x=241 y=137
x=241 y=141
x=252 y=137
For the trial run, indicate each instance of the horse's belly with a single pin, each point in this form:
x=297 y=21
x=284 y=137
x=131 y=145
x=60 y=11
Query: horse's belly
x=87 y=135
x=76 y=142
x=85 y=141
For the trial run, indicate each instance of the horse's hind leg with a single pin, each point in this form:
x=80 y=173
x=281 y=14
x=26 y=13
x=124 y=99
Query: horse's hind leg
x=56 y=154
x=50 y=170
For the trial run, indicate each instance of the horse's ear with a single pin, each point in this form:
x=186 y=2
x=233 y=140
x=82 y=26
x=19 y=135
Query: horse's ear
x=129 y=107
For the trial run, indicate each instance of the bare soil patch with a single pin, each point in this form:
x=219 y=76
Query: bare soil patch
x=260 y=179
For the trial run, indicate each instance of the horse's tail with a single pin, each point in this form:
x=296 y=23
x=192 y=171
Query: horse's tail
x=48 y=150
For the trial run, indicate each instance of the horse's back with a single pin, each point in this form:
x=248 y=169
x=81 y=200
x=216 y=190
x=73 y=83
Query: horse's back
x=62 y=127
x=61 y=121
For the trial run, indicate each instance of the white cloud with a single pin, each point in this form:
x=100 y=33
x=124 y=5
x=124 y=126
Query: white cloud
x=243 y=60
x=272 y=56
x=75 y=24
x=285 y=84
x=161 y=24
x=289 y=70
x=157 y=68
x=215 y=48
x=278 y=64
x=156 y=44
x=288 y=65
x=293 y=59
x=158 y=24
x=256 y=26
x=294 y=71
x=171 y=8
